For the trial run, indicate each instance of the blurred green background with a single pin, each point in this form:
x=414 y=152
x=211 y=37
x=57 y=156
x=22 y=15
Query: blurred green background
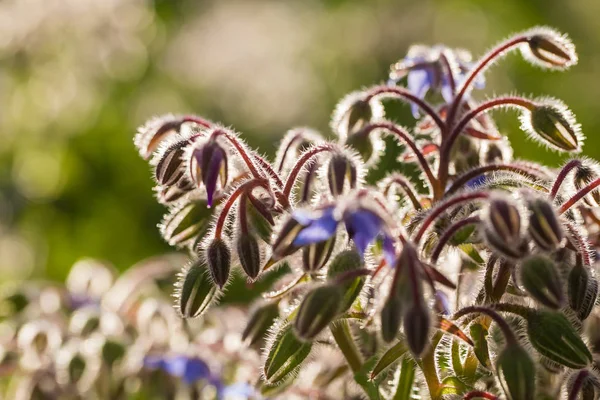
x=78 y=76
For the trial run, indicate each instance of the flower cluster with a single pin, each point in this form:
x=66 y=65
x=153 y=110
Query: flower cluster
x=480 y=284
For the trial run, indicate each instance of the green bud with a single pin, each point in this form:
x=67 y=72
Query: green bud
x=582 y=291
x=540 y=278
x=282 y=245
x=417 y=324
x=550 y=49
x=285 y=355
x=346 y=261
x=516 y=372
x=319 y=307
x=196 y=291
x=391 y=317
x=261 y=319
x=544 y=226
x=168 y=168
x=551 y=123
x=553 y=336
x=316 y=255
x=341 y=173
x=218 y=258
x=183 y=224
x=363 y=144
x=503 y=228
x=249 y=254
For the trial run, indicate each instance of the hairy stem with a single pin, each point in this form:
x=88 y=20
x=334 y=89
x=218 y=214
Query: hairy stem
x=245 y=187
x=304 y=158
x=449 y=233
x=475 y=172
x=562 y=175
x=506 y=330
x=579 y=195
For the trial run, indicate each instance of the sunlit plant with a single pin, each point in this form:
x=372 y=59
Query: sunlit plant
x=473 y=278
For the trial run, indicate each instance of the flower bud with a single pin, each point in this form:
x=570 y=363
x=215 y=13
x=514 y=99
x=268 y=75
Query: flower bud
x=582 y=385
x=346 y=261
x=363 y=144
x=153 y=132
x=261 y=319
x=516 y=373
x=218 y=258
x=540 y=278
x=318 y=308
x=583 y=176
x=284 y=355
x=479 y=334
x=196 y=292
x=417 y=324
x=37 y=341
x=549 y=49
x=553 y=336
x=249 y=254
x=582 y=290
x=341 y=173
x=552 y=123
x=170 y=194
x=544 y=226
x=168 y=167
x=353 y=113
x=283 y=244
x=503 y=227
x=184 y=223
x=207 y=165
x=316 y=255
x=391 y=317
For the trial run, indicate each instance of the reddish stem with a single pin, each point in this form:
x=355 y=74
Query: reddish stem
x=449 y=233
x=406 y=187
x=241 y=151
x=579 y=195
x=197 y=120
x=578 y=384
x=562 y=175
x=304 y=158
x=243 y=188
x=509 y=335
x=267 y=167
x=481 y=394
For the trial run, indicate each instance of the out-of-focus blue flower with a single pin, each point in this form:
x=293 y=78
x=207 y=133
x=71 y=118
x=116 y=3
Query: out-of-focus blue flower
x=189 y=369
x=318 y=226
x=240 y=391
x=476 y=182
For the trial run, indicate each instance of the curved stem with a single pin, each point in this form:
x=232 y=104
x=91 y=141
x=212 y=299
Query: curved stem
x=197 y=120
x=579 y=195
x=407 y=95
x=578 y=384
x=449 y=70
x=343 y=338
x=480 y=67
x=506 y=330
x=480 y=394
x=264 y=164
x=243 y=188
x=241 y=149
x=562 y=175
x=444 y=205
x=475 y=172
x=243 y=211
x=580 y=243
x=406 y=187
x=449 y=233
x=304 y=158
x=406 y=139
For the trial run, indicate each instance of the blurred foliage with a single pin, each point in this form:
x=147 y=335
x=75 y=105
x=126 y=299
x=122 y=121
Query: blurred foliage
x=78 y=76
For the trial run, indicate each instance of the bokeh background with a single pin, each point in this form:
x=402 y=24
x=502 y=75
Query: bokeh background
x=78 y=76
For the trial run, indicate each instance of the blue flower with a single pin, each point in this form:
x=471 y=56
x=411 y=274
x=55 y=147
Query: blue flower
x=318 y=226
x=188 y=369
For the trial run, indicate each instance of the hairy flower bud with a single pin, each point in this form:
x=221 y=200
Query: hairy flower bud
x=169 y=163
x=417 y=324
x=391 y=317
x=218 y=258
x=153 y=132
x=316 y=255
x=283 y=245
x=261 y=319
x=553 y=336
x=249 y=254
x=544 y=226
x=582 y=290
x=196 y=292
x=502 y=230
x=549 y=49
x=345 y=262
x=318 y=308
x=207 y=165
x=552 y=123
x=540 y=278
x=284 y=355
x=341 y=173
x=583 y=176
x=516 y=372
x=185 y=223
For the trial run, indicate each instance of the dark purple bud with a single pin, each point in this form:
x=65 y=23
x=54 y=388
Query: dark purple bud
x=208 y=165
x=248 y=252
x=218 y=257
x=259 y=323
x=318 y=309
x=584 y=175
x=169 y=167
x=315 y=256
x=540 y=278
x=582 y=290
x=417 y=324
x=502 y=230
x=341 y=173
x=175 y=192
x=544 y=226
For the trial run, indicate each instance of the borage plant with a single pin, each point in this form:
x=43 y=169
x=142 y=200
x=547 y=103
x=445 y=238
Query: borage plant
x=477 y=286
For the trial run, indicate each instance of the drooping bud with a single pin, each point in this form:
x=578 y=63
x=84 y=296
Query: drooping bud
x=195 y=292
x=170 y=194
x=540 y=278
x=417 y=324
x=318 y=308
x=261 y=319
x=582 y=290
x=249 y=254
x=503 y=227
x=345 y=262
x=341 y=173
x=168 y=163
x=549 y=49
x=283 y=244
x=184 y=223
x=544 y=226
x=391 y=317
x=583 y=176
x=218 y=258
x=516 y=372
x=285 y=355
x=550 y=122
x=207 y=165
x=553 y=336
x=153 y=132
x=316 y=255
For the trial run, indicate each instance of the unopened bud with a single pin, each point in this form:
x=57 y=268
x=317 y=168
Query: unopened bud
x=261 y=319
x=283 y=244
x=345 y=262
x=171 y=194
x=185 y=223
x=362 y=142
x=341 y=173
x=516 y=372
x=249 y=254
x=318 y=308
x=582 y=290
x=75 y=368
x=391 y=317
x=285 y=355
x=503 y=228
x=196 y=292
x=540 y=278
x=553 y=336
x=544 y=226
x=584 y=175
x=153 y=132
x=552 y=123
x=417 y=324
x=316 y=255
x=169 y=163
x=550 y=49
x=218 y=257
x=207 y=165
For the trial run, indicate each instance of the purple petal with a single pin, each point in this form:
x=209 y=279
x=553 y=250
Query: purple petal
x=447 y=92
x=317 y=229
x=418 y=82
x=211 y=175
x=389 y=251
x=363 y=226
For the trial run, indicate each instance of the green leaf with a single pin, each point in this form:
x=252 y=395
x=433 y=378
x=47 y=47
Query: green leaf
x=389 y=357
x=405 y=380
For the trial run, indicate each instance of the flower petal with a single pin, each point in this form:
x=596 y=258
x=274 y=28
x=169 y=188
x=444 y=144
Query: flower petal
x=418 y=81
x=363 y=226
x=317 y=229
